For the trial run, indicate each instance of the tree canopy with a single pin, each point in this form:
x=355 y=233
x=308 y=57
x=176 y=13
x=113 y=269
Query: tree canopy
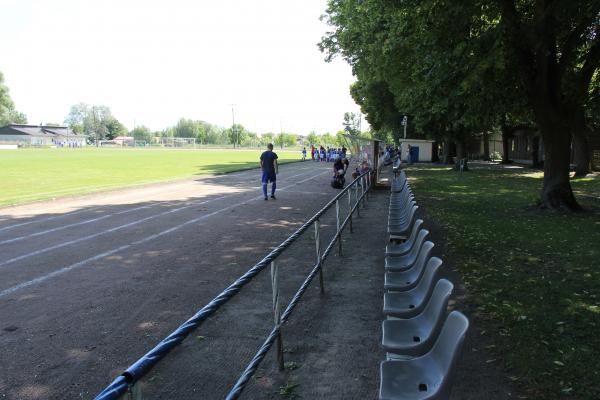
x=96 y=121
x=459 y=68
x=8 y=113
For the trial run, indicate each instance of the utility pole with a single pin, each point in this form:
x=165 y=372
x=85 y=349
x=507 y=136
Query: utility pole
x=233 y=130
x=280 y=134
x=95 y=127
x=405 y=122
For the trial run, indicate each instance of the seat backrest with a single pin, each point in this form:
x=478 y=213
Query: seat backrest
x=411 y=214
x=426 y=284
x=447 y=348
x=401 y=198
x=435 y=310
x=413 y=233
x=417 y=247
x=405 y=210
x=424 y=252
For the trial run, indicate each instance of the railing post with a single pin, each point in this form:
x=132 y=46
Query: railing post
x=363 y=190
x=350 y=207
x=339 y=233
x=318 y=249
x=277 y=311
x=357 y=203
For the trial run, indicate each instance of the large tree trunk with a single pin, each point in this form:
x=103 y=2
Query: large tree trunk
x=461 y=154
x=535 y=151
x=486 y=146
x=582 y=153
x=449 y=151
x=435 y=149
x=581 y=144
x=506 y=133
x=557 y=192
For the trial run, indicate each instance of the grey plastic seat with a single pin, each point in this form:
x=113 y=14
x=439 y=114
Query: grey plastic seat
x=411 y=303
x=414 y=337
x=400 y=217
x=401 y=212
x=405 y=280
x=401 y=206
x=400 y=231
x=406 y=262
x=429 y=377
x=395 y=250
x=398 y=186
x=399 y=181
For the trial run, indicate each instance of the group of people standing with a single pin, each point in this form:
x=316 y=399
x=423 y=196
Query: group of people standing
x=329 y=154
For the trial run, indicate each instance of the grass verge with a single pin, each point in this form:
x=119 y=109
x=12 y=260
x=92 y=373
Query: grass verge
x=40 y=174
x=533 y=276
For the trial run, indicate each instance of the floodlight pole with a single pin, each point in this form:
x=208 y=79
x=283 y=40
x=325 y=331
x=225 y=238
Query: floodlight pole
x=234 y=137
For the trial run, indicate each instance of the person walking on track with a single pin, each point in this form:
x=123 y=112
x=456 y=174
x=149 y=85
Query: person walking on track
x=268 y=164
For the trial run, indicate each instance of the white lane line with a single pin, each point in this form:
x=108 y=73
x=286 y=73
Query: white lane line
x=235 y=174
x=71 y=267
x=87 y=221
x=88 y=237
x=44 y=219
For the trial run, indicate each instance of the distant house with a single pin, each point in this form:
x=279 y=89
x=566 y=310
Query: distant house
x=41 y=135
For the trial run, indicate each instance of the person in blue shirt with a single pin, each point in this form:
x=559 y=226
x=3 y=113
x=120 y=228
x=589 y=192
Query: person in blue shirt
x=268 y=164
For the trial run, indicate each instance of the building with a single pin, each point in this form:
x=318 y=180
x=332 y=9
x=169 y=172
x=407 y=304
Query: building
x=416 y=150
x=476 y=146
x=40 y=135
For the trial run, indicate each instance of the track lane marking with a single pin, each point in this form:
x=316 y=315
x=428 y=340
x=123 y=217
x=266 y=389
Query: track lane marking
x=133 y=223
x=63 y=270
x=68 y=214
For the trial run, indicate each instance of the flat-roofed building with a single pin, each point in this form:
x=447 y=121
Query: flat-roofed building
x=40 y=135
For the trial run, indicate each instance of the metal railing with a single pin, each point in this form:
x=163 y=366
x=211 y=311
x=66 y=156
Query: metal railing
x=126 y=382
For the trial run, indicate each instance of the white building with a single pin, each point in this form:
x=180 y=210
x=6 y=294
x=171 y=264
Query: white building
x=416 y=150
x=40 y=135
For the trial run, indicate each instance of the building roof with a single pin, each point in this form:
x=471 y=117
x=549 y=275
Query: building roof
x=415 y=140
x=37 y=130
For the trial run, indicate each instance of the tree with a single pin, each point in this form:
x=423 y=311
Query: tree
x=187 y=128
x=459 y=68
x=312 y=138
x=237 y=135
x=328 y=139
x=141 y=133
x=266 y=138
x=8 y=114
x=115 y=129
x=351 y=123
x=95 y=121
x=286 y=139
x=555 y=51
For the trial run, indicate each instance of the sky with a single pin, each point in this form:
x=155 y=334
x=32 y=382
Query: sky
x=153 y=62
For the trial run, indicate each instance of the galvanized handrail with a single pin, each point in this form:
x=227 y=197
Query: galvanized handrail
x=275 y=333
x=125 y=382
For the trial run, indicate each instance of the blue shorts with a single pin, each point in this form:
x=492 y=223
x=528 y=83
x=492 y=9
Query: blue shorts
x=268 y=176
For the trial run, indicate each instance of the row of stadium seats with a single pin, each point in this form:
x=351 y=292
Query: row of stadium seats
x=422 y=341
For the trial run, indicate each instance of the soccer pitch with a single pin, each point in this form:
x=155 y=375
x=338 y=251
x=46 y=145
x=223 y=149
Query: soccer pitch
x=39 y=174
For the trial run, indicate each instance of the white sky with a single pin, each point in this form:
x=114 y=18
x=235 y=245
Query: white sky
x=153 y=62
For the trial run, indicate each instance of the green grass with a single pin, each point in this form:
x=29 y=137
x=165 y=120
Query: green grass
x=38 y=174
x=533 y=276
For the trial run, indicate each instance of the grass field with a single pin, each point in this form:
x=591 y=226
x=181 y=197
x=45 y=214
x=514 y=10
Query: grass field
x=37 y=174
x=533 y=276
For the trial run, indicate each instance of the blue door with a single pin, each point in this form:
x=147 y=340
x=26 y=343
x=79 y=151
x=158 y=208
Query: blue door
x=414 y=154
